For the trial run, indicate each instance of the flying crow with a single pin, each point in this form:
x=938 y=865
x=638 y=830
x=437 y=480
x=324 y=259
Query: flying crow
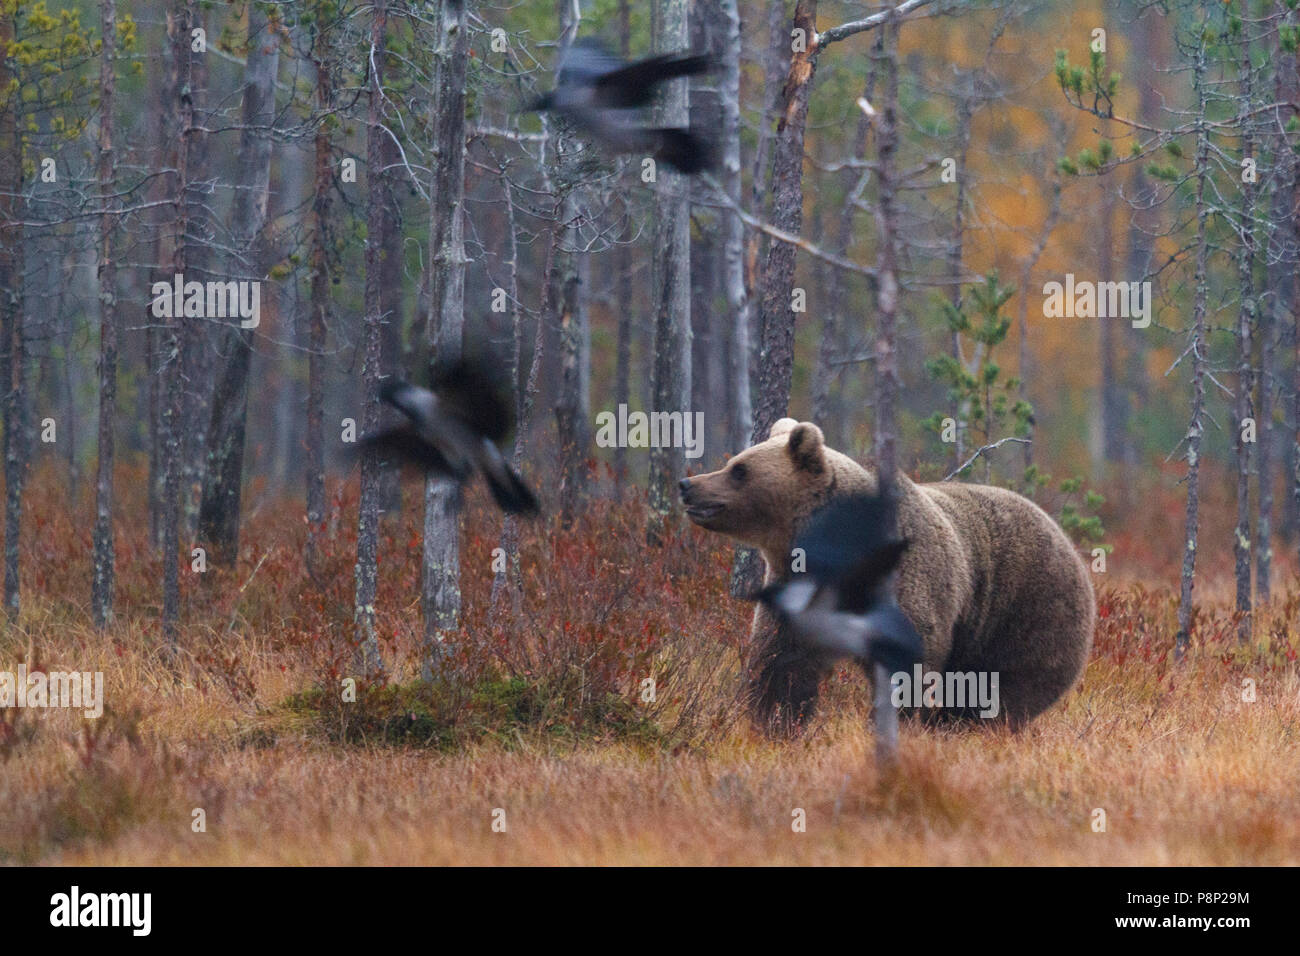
x=842 y=603
x=600 y=94
x=454 y=429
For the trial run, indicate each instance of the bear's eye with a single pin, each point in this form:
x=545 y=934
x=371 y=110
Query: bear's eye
x=739 y=473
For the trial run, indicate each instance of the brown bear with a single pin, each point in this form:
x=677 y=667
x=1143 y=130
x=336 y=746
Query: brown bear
x=989 y=580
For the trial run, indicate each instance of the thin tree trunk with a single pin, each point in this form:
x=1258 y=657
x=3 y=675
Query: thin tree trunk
x=776 y=63
x=1245 y=365
x=822 y=279
x=441 y=569
x=776 y=362
x=1268 y=320
x=623 y=283
x=391 y=251
x=626 y=309
x=671 y=372
x=154 y=334
x=509 y=577
x=956 y=259
x=197 y=374
x=1022 y=319
x=172 y=400
x=11 y=308
x=1150 y=40
x=368 y=660
x=776 y=355
x=101 y=597
x=573 y=398
x=854 y=181
x=887 y=380
x=1195 y=428
x=746 y=567
x=572 y=407
x=1113 y=426
x=739 y=304
x=1281 y=259
x=314 y=475
x=218 y=524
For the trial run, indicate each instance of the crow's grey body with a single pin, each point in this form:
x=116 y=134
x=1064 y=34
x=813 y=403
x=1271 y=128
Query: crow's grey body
x=843 y=604
x=453 y=430
x=602 y=96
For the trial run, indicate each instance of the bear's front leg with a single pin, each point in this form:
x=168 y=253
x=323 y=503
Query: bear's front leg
x=784 y=679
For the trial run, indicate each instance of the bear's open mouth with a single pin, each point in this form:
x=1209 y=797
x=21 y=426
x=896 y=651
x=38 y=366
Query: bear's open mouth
x=702 y=512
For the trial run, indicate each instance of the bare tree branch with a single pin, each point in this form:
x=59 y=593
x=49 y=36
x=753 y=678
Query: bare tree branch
x=846 y=30
x=971 y=460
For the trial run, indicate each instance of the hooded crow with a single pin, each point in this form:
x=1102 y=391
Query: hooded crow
x=600 y=95
x=843 y=605
x=454 y=429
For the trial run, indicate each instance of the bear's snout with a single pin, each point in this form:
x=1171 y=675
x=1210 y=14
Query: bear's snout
x=698 y=508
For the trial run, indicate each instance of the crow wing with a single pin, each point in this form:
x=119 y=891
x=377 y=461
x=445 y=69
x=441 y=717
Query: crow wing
x=848 y=544
x=633 y=86
x=406 y=446
x=471 y=390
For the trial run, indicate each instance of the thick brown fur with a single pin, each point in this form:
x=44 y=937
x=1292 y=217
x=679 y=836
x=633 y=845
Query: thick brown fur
x=989 y=580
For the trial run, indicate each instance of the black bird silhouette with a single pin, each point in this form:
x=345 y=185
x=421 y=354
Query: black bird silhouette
x=842 y=604
x=454 y=429
x=601 y=95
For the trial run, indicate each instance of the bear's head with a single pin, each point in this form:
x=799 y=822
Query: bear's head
x=763 y=494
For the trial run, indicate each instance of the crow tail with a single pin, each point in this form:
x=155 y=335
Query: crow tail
x=684 y=150
x=508 y=489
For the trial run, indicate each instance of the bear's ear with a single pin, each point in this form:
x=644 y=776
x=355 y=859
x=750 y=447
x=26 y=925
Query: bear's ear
x=781 y=426
x=805 y=446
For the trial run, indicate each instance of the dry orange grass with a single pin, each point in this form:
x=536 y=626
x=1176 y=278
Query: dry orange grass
x=1186 y=771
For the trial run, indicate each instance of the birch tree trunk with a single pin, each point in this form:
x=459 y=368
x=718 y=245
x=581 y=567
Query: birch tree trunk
x=368 y=660
x=441 y=569
x=739 y=306
x=956 y=259
x=1198 y=346
x=887 y=381
x=101 y=596
x=1241 y=546
x=746 y=565
x=195 y=343
x=1264 y=468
